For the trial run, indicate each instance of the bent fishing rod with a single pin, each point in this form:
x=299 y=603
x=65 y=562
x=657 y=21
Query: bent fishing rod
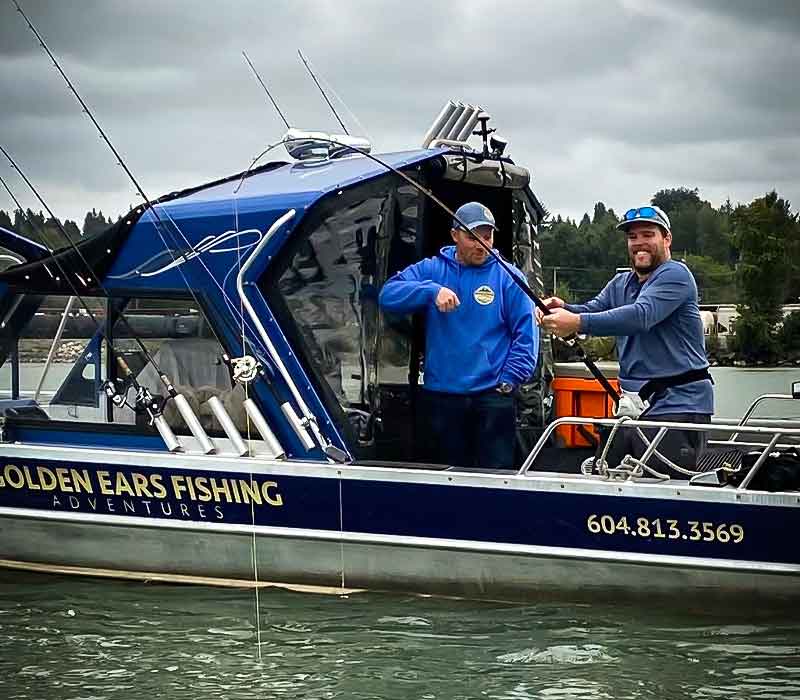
x=571 y=340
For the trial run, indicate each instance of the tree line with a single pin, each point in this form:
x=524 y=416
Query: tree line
x=748 y=255
x=45 y=230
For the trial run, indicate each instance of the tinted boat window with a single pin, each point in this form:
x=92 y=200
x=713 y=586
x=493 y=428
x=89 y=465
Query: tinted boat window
x=400 y=252
x=327 y=300
x=330 y=291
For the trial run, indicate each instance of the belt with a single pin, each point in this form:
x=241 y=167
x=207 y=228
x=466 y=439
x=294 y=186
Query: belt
x=656 y=386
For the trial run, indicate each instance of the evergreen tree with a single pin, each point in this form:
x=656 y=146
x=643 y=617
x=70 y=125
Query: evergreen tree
x=5 y=221
x=94 y=222
x=72 y=230
x=675 y=198
x=599 y=213
x=764 y=231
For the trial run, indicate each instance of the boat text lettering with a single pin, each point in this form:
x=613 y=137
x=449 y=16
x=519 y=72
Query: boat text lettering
x=690 y=530
x=133 y=484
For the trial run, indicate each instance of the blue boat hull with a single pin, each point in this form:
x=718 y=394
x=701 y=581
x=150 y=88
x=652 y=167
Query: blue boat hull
x=447 y=532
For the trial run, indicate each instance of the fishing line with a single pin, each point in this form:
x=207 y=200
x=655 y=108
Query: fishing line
x=120 y=359
x=570 y=340
x=246 y=386
x=158 y=224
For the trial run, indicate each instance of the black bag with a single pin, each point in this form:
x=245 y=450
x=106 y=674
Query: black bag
x=779 y=472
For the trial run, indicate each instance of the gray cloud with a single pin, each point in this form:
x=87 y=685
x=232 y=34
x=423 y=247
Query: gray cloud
x=603 y=101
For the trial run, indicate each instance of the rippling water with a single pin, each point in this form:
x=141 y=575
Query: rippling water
x=77 y=638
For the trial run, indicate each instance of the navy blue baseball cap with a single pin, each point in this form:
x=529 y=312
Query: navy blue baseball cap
x=474 y=214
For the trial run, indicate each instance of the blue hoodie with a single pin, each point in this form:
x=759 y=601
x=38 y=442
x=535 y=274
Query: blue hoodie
x=488 y=339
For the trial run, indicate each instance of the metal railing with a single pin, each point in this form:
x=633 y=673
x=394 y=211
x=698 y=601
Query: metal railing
x=774 y=435
x=752 y=407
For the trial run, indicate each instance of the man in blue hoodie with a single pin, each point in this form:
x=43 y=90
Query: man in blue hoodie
x=653 y=312
x=481 y=342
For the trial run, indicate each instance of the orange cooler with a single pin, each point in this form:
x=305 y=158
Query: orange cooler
x=581 y=397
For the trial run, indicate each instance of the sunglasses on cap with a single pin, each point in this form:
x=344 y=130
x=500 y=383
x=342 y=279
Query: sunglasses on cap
x=644 y=213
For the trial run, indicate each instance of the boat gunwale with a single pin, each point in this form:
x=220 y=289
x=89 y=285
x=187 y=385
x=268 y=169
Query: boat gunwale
x=544 y=482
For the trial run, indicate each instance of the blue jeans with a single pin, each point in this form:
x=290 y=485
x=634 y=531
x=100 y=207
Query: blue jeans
x=467 y=430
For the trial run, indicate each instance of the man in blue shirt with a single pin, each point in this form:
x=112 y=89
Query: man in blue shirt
x=481 y=342
x=654 y=314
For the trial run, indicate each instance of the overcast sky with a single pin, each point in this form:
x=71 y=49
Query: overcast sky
x=603 y=101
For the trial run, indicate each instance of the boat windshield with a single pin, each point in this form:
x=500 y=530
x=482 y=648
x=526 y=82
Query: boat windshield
x=59 y=361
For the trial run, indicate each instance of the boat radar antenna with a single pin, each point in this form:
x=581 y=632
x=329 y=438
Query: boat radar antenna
x=495 y=146
x=483 y=131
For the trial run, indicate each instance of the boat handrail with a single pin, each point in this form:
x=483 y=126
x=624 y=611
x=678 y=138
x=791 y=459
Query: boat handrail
x=54 y=345
x=752 y=407
x=242 y=281
x=664 y=426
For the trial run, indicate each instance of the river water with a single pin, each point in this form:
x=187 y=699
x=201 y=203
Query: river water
x=94 y=639
x=76 y=638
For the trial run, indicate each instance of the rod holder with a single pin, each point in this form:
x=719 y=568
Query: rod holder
x=264 y=430
x=298 y=425
x=438 y=123
x=228 y=426
x=172 y=443
x=194 y=425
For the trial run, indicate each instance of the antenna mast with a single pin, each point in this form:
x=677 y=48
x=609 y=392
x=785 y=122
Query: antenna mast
x=316 y=82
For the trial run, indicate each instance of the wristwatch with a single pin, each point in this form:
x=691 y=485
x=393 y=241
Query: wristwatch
x=504 y=388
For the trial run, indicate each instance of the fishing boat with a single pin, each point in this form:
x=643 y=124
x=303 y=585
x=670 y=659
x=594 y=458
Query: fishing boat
x=208 y=391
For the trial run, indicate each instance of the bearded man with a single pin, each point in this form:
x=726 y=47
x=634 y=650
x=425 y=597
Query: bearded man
x=652 y=310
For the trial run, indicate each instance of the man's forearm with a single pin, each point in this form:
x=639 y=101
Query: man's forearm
x=404 y=297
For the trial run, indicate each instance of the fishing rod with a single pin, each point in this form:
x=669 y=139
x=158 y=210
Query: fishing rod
x=72 y=245
x=148 y=203
x=329 y=449
x=144 y=402
x=571 y=340
x=316 y=82
x=269 y=94
x=183 y=406
x=159 y=223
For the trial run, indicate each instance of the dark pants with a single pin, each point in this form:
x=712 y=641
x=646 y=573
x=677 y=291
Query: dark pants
x=683 y=447
x=475 y=430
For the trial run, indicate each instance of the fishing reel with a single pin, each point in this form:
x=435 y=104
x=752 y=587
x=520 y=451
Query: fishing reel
x=145 y=403
x=243 y=369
